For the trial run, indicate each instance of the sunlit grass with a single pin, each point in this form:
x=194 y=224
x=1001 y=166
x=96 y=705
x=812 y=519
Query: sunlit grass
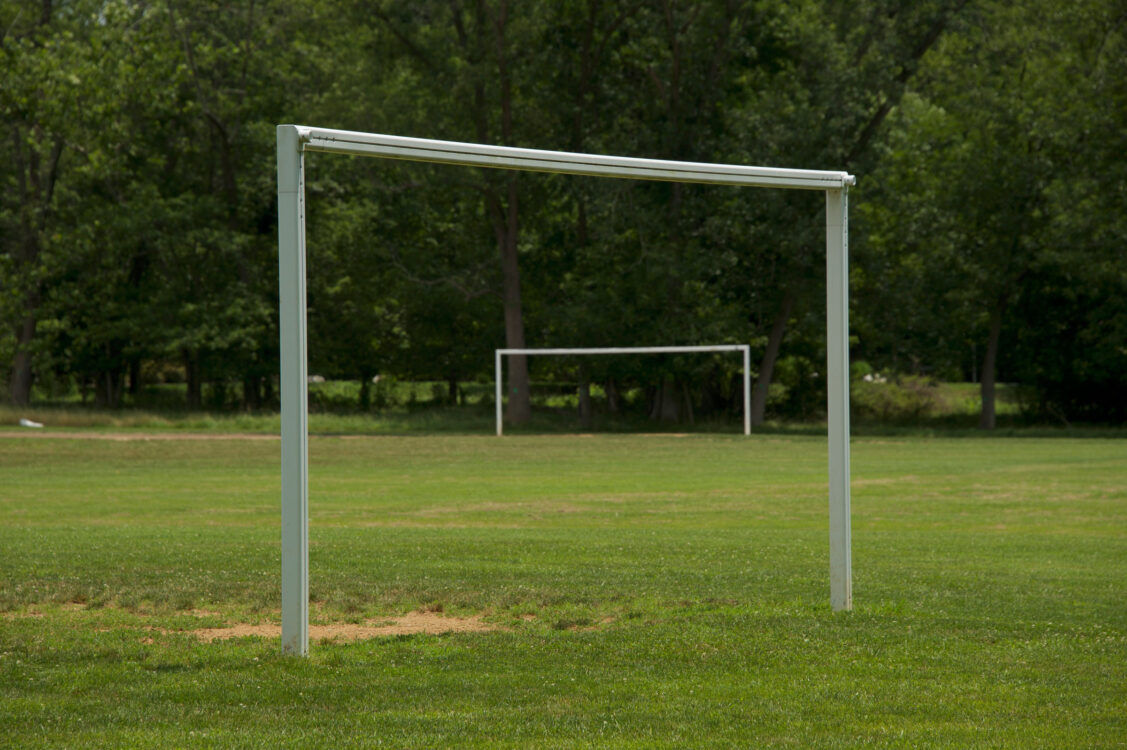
x=651 y=591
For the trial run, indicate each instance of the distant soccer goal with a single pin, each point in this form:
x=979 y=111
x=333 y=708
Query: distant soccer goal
x=499 y=355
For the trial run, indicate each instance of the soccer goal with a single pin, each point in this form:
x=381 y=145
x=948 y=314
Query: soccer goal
x=499 y=354
x=295 y=140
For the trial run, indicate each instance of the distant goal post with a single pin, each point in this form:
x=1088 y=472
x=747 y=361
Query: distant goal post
x=500 y=354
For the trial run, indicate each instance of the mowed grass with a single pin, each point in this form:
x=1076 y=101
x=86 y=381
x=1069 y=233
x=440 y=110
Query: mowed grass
x=650 y=591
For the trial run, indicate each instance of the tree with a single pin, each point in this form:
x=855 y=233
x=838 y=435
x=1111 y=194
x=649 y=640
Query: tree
x=44 y=57
x=238 y=72
x=1070 y=344
x=831 y=75
x=976 y=162
x=461 y=67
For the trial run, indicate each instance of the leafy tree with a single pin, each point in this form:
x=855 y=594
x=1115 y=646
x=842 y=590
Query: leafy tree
x=822 y=102
x=1070 y=345
x=970 y=181
x=459 y=69
x=237 y=74
x=137 y=224
x=45 y=54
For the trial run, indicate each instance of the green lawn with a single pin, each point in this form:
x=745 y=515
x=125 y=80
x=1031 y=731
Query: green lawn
x=651 y=592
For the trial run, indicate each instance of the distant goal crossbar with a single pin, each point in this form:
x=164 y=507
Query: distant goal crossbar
x=500 y=354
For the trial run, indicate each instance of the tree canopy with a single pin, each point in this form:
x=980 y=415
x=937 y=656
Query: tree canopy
x=138 y=227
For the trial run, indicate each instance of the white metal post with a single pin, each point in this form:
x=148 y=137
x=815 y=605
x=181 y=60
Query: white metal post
x=294 y=140
x=747 y=390
x=497 y=387
x=294 y=386
x=563 y=162
x=837 y=388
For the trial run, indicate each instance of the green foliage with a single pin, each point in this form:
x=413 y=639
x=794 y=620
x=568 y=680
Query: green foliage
x=905 y=399
x=798 y=391
x=137 y=226
x=966 y=223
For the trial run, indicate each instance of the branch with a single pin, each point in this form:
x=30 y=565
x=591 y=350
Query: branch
x=905 y=74
x=190 y=57
x=12 y=25
x=248 y=34
x=452 y=281
x=53 y=171
x=416 y=51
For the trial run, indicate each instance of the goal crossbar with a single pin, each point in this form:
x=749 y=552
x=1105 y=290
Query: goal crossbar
x=564 y=162
x=294 y=140
x=499 y=355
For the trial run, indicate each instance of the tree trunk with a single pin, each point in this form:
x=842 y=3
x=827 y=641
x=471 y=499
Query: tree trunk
x=194 y=396
x=687 y=403
x=508 y=234
x=585 y=415
x=770 y=356
x=986 y=419
x=21 y=376
x=36 y=179
x=107 y=389
x=666 y=402
x=252 y=392
x=475 y=39
x=614 y=400
x=135 y=377
x=520 y=404
x=110 y=382
x=452 y=388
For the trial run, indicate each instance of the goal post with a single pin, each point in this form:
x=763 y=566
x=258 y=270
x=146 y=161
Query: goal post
x=295 y=140
x=499 y=355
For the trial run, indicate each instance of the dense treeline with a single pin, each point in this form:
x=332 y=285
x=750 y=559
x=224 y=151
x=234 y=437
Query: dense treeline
x=138 y=228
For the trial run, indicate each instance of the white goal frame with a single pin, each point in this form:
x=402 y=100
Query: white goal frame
x=295 y=140
x=499 y=355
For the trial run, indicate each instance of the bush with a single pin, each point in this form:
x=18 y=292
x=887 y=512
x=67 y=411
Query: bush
x=903 y=399
x=384 y=395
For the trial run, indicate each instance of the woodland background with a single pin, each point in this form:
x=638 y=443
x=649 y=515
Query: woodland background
x=138 y=237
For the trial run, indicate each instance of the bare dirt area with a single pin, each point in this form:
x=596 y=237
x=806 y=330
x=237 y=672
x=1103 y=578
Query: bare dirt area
x=428 y=622
x=409 y=624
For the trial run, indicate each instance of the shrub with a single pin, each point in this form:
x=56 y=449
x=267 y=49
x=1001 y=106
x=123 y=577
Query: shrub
x=908 y=398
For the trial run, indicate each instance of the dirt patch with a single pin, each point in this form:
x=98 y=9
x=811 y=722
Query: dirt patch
x=431 y=622
x=203 y=613
x=409 y=624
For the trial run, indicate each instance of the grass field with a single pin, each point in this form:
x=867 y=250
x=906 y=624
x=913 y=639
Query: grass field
x=646 y=591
